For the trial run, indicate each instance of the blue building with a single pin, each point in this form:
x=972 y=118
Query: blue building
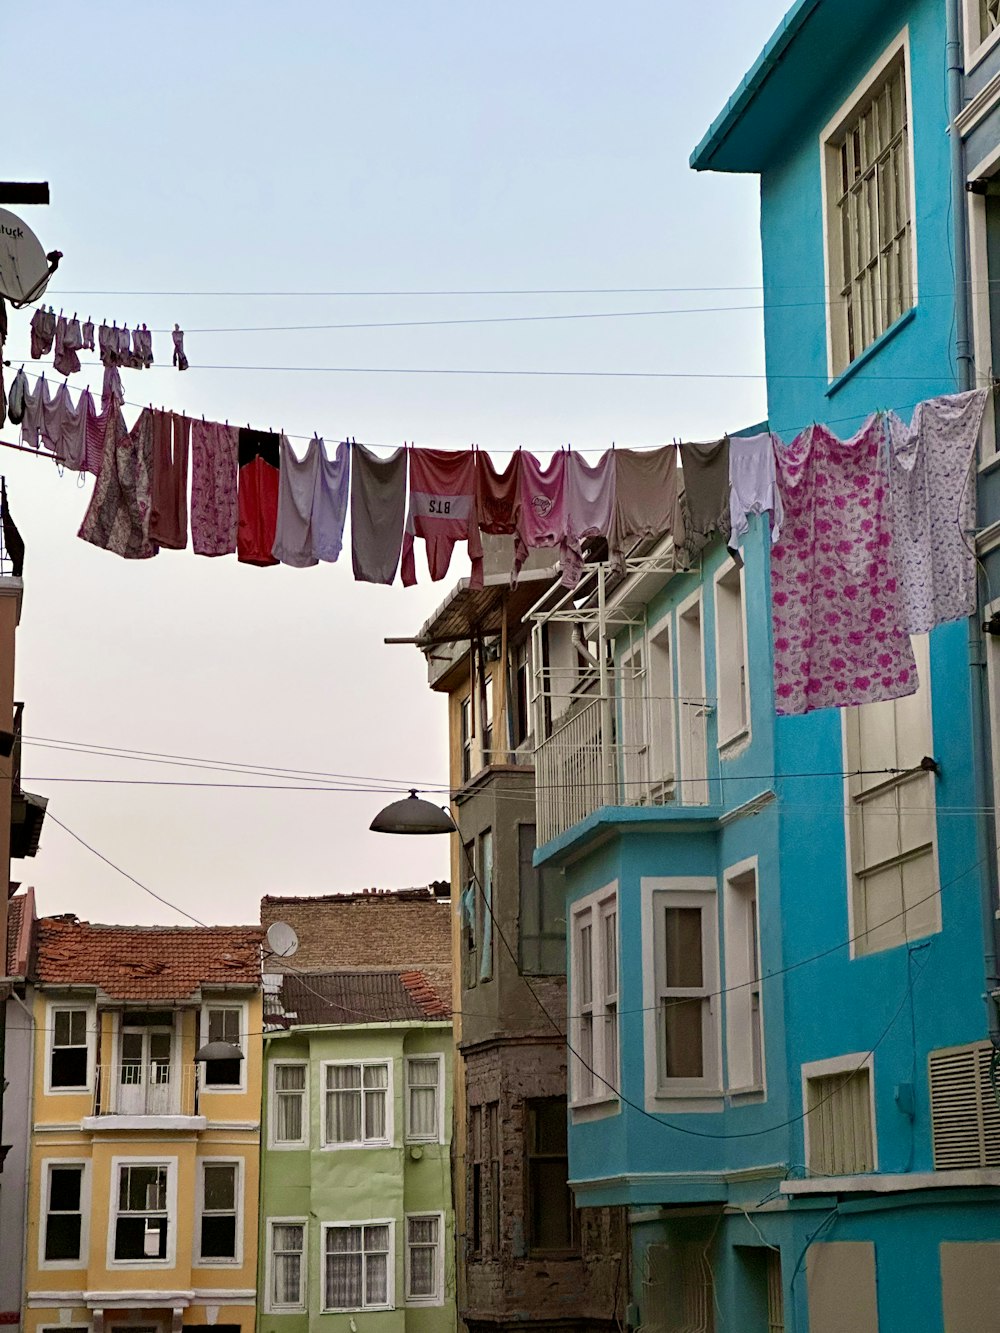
x=781 y=962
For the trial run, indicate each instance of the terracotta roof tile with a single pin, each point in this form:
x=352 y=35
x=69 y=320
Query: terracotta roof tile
x=318 y=998
x=146 y=962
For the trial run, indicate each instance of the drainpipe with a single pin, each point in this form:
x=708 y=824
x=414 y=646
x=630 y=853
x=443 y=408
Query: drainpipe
x=985 y=829
x=29 y=1131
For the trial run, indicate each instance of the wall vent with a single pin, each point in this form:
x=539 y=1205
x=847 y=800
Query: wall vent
x=965 y=1113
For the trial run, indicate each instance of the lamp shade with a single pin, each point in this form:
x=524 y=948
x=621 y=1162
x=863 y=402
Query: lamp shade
x=413 y=815
x=218 y=1050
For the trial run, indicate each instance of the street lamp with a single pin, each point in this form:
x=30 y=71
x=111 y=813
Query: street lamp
x=413 y=815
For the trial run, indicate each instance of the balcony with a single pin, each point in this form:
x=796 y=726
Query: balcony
x=633 y=749
x=157 y=1093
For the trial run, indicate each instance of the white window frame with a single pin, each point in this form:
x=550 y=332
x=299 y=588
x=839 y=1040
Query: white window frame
x=662 y=744
x=692 y=735
x=732 y=730
x=283 y=1145
x=199 y=1261
x=217 y=1089
x=858 y=948
x=170 y=1260
x=53 y=1265
x=438 y=1135
x=681 y=1094
x=389 y=1091
x=845 y=114
x=592 y=911
x=438 y=1297
x=633 y=702
x=979 y=305
x=744 y=979
x=61 y=1006
x=271 y=1306
x=840 y=1064
x=390 y=1302
x=976 y=46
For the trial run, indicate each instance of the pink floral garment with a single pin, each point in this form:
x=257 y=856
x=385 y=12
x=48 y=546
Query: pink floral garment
x=835 y=601
x=214 y=513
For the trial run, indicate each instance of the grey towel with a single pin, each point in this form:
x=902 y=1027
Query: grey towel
x=378 y=510
x=706 y=491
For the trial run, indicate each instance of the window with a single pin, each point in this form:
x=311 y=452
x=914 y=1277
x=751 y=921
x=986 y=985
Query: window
x=685 y=943
x=358 y=1274
x=982 y=21
x=142 y=1223
x=358 y=1104
x=891 y=819
x=289 y=1119
x=471 y=911
x=223 y=1024
x=633 y=730
x=542 y=922
x=423 y=1099
x=521 y=700
x=424 y=1269
x=483 y=1192
x=218 y=1199
x=662 y=705
x=465 y=720
x=869 y=227
x=485 y=900
x=69 y=1065
x=838 y=1107
x=965 y=1113
x=474 y=1199
x=678 y=1278
x=692 y=706
x=595 y=997
x=551 y=1213
x=731 y=656
x=287 y=1257
x=744 y=1023
x=487 y=710
x=63 y=1210
x=477 y=904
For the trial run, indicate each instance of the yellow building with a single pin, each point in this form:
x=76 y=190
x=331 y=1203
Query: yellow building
x=143 y=1176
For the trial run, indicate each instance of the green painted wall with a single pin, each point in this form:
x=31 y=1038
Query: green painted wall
x=358 y=1184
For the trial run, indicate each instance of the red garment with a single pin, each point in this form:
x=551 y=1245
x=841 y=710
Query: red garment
x=442 y=511
x=257 y=498
x=168 y=523
x=497 y=495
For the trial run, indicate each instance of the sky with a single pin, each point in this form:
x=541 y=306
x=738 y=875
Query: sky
x=525 y=158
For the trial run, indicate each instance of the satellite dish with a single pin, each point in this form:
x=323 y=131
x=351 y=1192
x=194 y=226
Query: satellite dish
x=282 y=939
x=24 y=269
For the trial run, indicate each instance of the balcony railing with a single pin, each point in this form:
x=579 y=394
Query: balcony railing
x=621 y=750
x=155 y=1087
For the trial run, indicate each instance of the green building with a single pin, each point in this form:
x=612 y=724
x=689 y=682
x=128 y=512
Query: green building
x=357 y=1227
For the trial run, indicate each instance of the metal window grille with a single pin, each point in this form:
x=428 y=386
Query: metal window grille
x=873 y=206
x=840 y=1124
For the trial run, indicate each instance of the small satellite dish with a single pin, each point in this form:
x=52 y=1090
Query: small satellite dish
x=24 y=270
x=282 y=939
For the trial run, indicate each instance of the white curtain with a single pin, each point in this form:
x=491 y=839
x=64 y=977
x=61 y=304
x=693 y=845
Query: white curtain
x=422 y=1239
x=289 y=1088
x=287 y=1265
x=376 y=1083
x=343 y=1104
x=376 y=1265
x=343 y=1268
x=423 y=1099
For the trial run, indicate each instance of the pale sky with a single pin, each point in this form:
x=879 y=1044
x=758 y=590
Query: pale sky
x=374 y=146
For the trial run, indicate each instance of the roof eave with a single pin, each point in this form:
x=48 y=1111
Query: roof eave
x=710 y=153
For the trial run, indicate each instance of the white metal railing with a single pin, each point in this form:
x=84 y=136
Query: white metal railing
x=152 y=1087
x=621 y=749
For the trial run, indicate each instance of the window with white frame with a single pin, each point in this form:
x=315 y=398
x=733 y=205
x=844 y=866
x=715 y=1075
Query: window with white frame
x=289 y=1118
x=744 y=1017
x=357 y=1104
x=287 y=1259
x=466 y=737
x=891 y=822
x=358 y=1266
x=141 y=1216
x=423 y=1099
x=69 y=1059
x=982 y=20
x=686 y=952
x=869 y=211
x=424 y=1267
x=840 y=1137
x=662 y=707
x=223 y=1023
x=594 y=983
x=731 y=655
x=633 y=728
x=219 y=1200
x=63 y=1210
x=692 y=705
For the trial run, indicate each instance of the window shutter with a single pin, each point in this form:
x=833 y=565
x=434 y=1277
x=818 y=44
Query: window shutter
x=965 y=1114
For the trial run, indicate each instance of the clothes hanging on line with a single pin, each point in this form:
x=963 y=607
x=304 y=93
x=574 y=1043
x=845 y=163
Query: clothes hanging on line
x=933 y=505
x=753 y=486
x=647 y=500
x=257 y=496
x=112 y=391
x=168 y=523
x=117 y=518
x=214 y=504
x=43 y=332
x=68 y=341
x=442 y=511
x=706 y=492
x=497 y=494
x=837 y=612
x=541 y=513
x=590 y=509
x=378 y=511
x=87 y=332
x=177 y=336
x=312 y=504
x=16 y=398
